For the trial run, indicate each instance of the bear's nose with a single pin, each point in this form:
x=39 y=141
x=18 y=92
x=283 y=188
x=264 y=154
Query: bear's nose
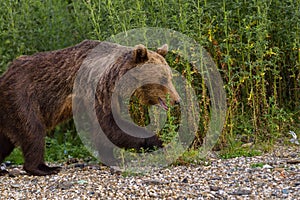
x=177 y=102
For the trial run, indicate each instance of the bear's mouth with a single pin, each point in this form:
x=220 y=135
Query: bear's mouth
x=163 y=104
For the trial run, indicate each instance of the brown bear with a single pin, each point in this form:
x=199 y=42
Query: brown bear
x=36 y=94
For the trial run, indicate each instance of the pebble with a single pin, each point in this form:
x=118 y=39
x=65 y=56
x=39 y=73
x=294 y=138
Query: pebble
x=235 y=178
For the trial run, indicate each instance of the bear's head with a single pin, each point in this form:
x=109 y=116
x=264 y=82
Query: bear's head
x=161 y=91
x=112 y=62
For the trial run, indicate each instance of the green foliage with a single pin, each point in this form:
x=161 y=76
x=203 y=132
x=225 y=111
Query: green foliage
x=190 y=157
x=240 y=152
x=16 y=157
x=169 y=131
x=70 y=147
x=257 y=165
x=235 y=149
x=255 y=44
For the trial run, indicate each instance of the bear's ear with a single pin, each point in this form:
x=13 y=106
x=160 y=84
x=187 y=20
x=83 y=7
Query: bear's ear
x=163 y=50
x=140 y=53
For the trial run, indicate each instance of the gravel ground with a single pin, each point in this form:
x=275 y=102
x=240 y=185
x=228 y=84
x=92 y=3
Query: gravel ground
x=274 y=175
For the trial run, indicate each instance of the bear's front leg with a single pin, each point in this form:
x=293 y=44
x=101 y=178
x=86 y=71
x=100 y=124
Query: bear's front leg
x=34 y=159
x=107 y=157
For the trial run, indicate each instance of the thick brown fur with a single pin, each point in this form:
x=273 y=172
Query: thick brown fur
x=36 y=95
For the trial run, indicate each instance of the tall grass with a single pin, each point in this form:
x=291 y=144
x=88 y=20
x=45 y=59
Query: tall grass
x=256 y=45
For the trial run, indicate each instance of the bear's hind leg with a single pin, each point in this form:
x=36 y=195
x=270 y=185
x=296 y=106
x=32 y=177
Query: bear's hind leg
x=6 y=147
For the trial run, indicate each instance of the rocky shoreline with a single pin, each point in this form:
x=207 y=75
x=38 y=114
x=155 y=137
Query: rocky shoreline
x=275 y=175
